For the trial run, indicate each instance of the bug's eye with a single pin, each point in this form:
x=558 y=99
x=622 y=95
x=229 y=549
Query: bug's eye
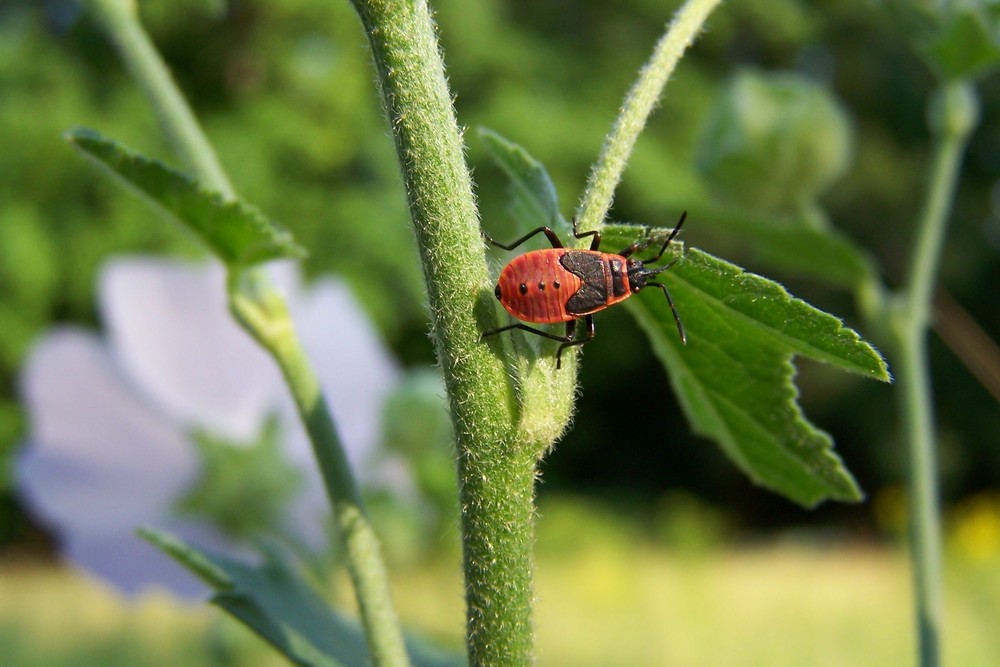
x=497 y=291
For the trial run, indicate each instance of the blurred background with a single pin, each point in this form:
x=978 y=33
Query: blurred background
x=285 y=92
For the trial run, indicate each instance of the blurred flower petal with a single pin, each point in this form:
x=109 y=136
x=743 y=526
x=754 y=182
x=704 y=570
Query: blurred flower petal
x=169 y=324
x=81 y=407
x=131 y=564
x=112 y=424
x=353 y=366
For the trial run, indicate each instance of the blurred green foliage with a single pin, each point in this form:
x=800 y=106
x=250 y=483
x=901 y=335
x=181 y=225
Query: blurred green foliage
x=417 y=436
x=285 y=92
x=785 y=127
x=244 y=488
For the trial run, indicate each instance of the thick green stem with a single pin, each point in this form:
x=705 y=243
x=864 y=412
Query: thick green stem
x=264 y=315
x=121 y=23
x=953 y=116
x=638 y=106
x=496 y=470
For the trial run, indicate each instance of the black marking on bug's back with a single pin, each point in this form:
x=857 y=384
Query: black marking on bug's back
x=590 y=268
x=617 y=277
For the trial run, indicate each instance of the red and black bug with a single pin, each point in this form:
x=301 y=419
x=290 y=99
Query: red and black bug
x=562 y=284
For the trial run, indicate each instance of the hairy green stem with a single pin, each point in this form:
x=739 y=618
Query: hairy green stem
x=496 y=469
x=262 y=313
x=121 y=24
x=953 y=116
x=635 y=111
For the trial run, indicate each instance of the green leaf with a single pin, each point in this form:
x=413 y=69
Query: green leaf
x=534 y=201
x=278 y=605
x=968 y=42
x=734 y=378
x=239 y=234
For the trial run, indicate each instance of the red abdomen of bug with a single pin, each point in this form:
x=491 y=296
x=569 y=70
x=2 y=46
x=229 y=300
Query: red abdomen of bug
x=534 y=287
x=538 y=287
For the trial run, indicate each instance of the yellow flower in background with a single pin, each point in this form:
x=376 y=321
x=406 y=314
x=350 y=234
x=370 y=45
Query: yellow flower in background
x=975 y=531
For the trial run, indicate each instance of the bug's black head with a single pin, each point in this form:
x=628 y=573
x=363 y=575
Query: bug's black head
x=497 y=292
x=637 y=274
x=638 y=277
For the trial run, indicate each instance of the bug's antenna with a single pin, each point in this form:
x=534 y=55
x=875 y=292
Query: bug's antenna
x=670 y=238
x=661 y=269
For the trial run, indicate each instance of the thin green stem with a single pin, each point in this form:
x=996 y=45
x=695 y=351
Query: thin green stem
x=263 y=313
x=916 y=409
x=953 y=117
x=635 y=111
x=121 y=23
x=496 y=468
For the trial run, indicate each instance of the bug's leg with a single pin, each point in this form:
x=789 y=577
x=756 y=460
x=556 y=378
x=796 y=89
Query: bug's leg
x=524 y=327
x=670 y=238
x=588 y=336
x=549 y=234
x=677 y=318
x=636 y=247
x=595 y=244
x=566 y=340
x=642 y=244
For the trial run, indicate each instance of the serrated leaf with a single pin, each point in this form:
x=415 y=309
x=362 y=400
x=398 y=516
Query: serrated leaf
x=238 y=233
x=734 y=378
x=274 y=602
x=533 y=196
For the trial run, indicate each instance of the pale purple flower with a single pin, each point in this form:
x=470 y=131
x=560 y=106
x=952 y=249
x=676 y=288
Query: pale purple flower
x=112 y=418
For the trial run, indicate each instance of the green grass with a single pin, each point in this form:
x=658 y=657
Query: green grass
x=602 y=601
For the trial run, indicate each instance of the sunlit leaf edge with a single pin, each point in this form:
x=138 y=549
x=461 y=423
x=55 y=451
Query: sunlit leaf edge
x=806 y=330
x=800 y=463
x=767 y=436
x=237 y=232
